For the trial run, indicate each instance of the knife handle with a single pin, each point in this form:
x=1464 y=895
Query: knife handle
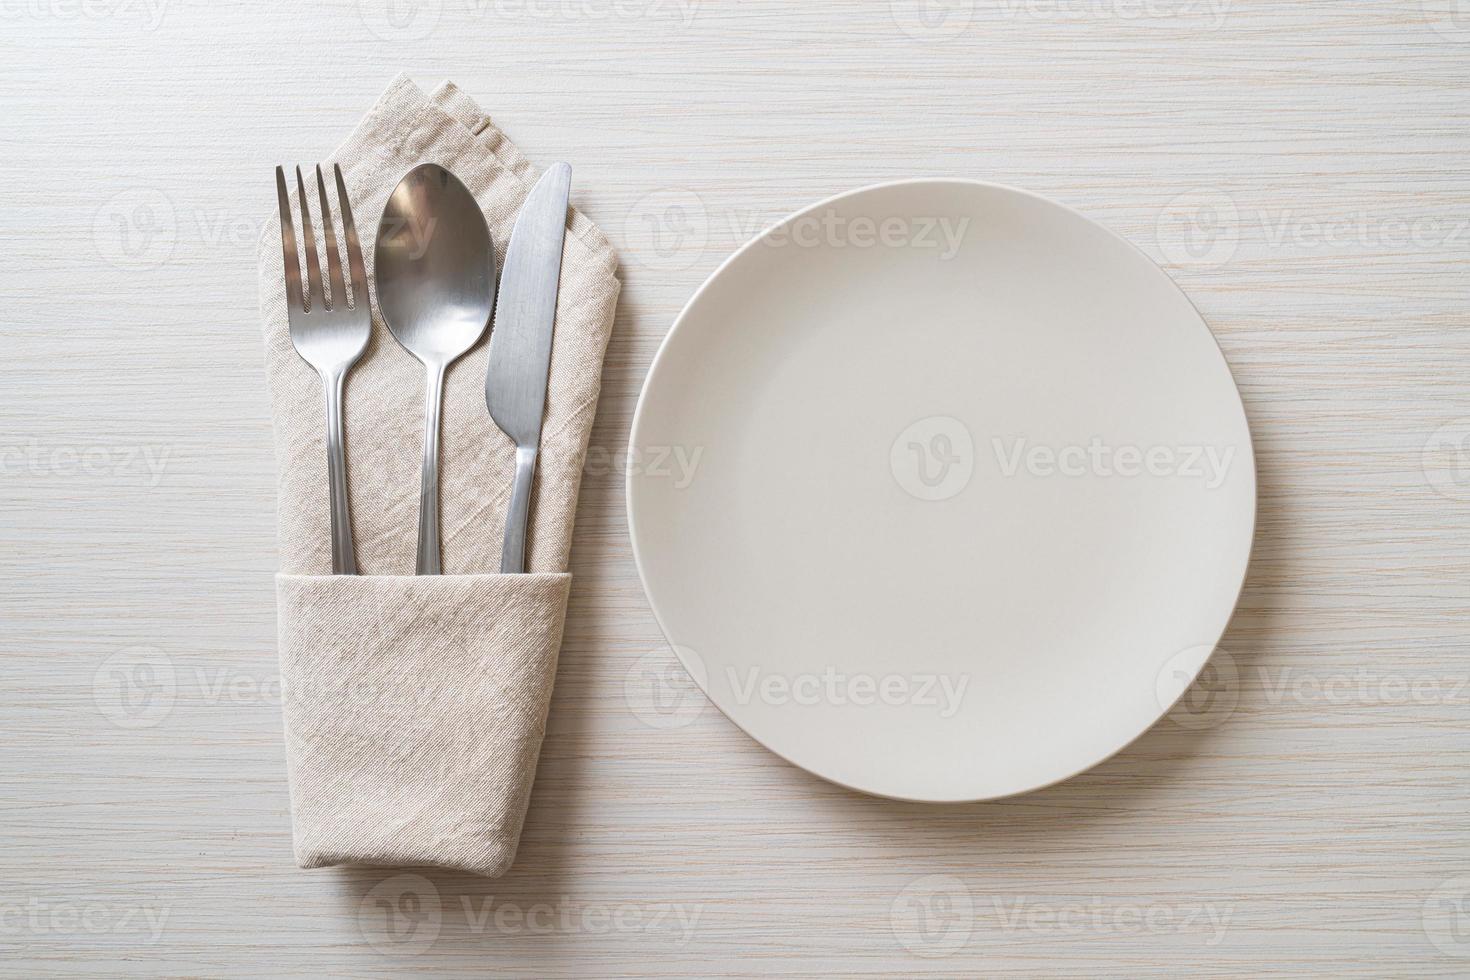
x=513 y=551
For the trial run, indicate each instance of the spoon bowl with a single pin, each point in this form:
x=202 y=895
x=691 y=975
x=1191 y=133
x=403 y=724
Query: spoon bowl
x=435 y=266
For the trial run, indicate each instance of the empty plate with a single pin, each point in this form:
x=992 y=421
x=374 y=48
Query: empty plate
x=941 y=491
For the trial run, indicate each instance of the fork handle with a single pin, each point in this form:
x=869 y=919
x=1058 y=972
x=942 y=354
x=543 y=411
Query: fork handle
x=344 y=562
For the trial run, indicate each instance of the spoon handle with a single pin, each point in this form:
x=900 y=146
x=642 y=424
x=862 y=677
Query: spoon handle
x=428 y=550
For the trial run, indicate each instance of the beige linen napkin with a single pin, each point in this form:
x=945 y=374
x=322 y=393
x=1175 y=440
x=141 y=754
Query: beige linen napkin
x=415 y=706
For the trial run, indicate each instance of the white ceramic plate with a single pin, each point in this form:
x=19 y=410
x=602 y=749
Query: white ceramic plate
x=941 y=491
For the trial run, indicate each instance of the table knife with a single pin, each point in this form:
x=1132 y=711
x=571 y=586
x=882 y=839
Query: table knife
x=520 y=344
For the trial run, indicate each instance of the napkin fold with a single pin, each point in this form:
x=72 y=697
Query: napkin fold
x=415 y=706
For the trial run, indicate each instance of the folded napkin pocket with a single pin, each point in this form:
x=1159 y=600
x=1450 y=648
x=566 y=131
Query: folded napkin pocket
x=414 y=712
x=415 y=705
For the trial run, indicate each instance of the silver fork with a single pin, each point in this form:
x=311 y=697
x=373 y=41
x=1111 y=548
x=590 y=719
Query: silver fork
x=327 y=332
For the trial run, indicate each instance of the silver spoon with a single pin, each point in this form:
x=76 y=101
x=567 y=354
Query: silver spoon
x=436 y=289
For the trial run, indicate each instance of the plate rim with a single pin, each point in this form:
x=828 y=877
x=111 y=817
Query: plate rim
x=629 y=476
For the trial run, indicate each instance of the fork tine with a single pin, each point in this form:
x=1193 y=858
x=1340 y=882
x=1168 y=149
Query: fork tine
x=329 y=233
x=313 y=266
x=288 y=245
x=354 y=248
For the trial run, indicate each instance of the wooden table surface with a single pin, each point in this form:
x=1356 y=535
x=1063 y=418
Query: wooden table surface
x=1299 y=168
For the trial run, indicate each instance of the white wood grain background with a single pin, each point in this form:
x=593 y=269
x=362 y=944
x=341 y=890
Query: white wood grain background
x=1300 y=168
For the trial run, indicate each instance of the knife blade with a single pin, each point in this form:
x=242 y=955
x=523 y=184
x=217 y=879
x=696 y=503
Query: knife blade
x=520 y=343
